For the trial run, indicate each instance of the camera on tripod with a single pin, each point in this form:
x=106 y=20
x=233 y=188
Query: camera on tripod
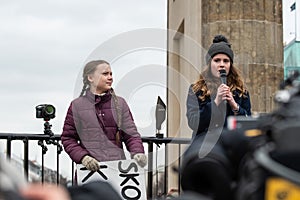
x=45 y=111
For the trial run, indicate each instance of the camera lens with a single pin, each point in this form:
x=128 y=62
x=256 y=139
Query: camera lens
x=49 y=110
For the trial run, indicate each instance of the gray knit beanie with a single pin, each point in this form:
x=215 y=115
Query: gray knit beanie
x=220 y=45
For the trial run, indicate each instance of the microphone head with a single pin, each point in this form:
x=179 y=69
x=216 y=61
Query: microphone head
x=222 y=73
x=223 y=76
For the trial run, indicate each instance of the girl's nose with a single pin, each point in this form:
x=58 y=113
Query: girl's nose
x=222 y=63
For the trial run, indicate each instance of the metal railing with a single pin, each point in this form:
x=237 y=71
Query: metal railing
x=44 y=140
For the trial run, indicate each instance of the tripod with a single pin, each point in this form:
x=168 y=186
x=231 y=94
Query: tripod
x=49 y=140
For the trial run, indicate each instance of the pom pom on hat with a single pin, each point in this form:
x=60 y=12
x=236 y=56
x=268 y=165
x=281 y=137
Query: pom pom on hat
x=220 y=38
x=220 y=45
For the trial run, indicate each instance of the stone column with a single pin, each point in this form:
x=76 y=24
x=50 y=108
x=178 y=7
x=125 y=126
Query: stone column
x=254 y=28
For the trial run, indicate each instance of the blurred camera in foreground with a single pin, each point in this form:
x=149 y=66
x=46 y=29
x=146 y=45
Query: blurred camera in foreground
x=254 y=158
x=45 y=111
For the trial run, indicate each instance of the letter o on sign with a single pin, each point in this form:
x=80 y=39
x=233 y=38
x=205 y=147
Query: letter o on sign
x=130 y=187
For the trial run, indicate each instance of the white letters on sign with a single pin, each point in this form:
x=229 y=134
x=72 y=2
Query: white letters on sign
x=125 y=176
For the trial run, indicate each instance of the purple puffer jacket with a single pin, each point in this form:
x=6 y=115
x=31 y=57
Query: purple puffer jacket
x=91 y=125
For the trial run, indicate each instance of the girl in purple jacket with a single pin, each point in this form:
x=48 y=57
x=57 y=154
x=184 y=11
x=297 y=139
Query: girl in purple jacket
x=98 y=122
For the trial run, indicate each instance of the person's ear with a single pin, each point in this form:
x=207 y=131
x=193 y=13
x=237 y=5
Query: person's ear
x=90 y=79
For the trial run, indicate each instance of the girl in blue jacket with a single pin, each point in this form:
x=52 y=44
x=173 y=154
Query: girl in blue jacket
x=210 y=101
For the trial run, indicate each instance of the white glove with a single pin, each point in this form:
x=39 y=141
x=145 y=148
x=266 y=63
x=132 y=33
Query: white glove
x=90 y=163
x=141 y=159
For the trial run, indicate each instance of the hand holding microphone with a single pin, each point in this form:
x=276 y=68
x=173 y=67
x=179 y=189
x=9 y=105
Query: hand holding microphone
x=222 y=90
x=227 y=94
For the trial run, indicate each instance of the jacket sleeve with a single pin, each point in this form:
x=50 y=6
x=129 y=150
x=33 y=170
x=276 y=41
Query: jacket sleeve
x=70 y=138
x=130 y=136
x=244 y=105
x=199 y=113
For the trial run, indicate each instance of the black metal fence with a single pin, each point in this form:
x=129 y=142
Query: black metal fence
x=44 y=141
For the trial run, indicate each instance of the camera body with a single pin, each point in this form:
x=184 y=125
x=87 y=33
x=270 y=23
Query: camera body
x=45 y=111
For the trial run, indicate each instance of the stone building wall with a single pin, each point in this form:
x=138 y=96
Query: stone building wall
x=255 y=30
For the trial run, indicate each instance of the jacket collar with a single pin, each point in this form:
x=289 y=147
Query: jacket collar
x=98 y=98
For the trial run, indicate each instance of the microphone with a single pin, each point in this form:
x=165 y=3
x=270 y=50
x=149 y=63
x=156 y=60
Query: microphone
x=223 y=76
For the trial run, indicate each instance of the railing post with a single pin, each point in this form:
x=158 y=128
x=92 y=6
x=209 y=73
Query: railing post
x=25 y=162
x=179 y=166
x=150 y=168
x=58 y=151
x=8 y=148
x=73 y=174
x=44 y=150
x=166 y=169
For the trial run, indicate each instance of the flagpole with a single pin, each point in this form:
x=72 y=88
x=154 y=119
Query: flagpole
x=297 y=18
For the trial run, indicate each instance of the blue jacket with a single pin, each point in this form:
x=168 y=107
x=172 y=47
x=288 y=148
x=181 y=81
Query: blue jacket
x=199 y=113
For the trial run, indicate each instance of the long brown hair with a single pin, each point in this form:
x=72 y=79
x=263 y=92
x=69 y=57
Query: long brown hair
x=208 y=84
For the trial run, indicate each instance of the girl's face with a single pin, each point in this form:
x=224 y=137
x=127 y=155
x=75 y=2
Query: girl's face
x=220 y=61
x=101 y=80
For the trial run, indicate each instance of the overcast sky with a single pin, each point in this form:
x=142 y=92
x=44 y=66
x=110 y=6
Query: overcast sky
x=289 y=20
x=44 y=45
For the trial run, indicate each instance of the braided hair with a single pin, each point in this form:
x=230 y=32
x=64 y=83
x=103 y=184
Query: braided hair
x=89 y=68
x=119 y=117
